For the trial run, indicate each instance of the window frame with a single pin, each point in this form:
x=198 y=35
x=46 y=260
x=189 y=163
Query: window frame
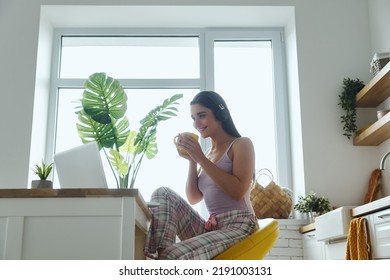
x=206 y=36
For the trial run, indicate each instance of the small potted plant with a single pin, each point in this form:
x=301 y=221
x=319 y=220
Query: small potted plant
x=42 y=171
x=313 y=205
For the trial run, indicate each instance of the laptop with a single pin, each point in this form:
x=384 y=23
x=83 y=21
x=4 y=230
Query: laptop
x=80 y=167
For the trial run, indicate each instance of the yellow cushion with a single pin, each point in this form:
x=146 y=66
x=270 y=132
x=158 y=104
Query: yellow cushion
x=255 y=246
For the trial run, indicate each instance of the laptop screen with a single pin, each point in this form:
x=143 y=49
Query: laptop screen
x=80 y=167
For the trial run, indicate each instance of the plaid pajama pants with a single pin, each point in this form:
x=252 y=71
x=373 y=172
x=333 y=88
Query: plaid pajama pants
x=200 y=239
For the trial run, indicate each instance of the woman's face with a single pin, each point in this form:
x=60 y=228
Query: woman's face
x=204 y=120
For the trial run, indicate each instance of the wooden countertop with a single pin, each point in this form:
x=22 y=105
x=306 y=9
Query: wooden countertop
x=376 y=205
x=26 y=193
x=307 y=228
x=72 y=193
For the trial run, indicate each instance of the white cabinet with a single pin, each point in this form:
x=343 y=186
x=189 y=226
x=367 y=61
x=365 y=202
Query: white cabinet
x=379 y=230
x=336 y=250
x=72 y=224
x=312 y=249
x=332 y=228
x=322 y=250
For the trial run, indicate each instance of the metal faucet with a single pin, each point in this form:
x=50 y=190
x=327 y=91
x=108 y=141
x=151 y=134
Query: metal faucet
x=382 y=164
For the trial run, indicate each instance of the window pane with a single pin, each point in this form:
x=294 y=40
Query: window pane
x=167 y=168
x=66 y=132
x=244 y=77
x=130 y=57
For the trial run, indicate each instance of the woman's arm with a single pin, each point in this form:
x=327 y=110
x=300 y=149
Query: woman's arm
x=193 y=193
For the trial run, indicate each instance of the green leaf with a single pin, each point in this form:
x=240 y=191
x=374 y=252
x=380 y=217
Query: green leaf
x=90 y=130
x=128 y=146
x=43 y=170
x=151 y=148
x=104 y=98
x=121 y=129
x=160 y=113
x=119 y=163
x=106 y=135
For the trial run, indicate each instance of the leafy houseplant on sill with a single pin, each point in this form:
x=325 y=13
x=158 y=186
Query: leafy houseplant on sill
x=102 y=118
x=313 y=205
x=42 y=171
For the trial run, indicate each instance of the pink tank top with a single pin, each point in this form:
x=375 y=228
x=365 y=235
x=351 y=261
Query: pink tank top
x=217 y=201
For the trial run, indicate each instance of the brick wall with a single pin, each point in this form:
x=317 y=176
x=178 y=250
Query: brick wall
x=289 y=244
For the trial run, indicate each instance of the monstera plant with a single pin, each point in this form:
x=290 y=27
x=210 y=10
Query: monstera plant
x=102 y=118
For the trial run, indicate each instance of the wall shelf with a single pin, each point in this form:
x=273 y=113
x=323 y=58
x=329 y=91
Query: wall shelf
x=373 y=94
x=375 y=134
x=376 y=91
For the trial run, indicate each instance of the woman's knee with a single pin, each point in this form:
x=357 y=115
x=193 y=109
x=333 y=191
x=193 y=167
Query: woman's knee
x=161 y=192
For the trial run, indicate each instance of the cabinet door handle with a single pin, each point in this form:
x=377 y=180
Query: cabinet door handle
x=311 y=235
x=384 y=216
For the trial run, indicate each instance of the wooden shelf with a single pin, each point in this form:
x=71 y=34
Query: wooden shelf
x=376 y=91
x=375 y=134
x=373 y=94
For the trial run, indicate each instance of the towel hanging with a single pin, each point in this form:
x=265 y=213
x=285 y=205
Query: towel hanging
x=358 y=243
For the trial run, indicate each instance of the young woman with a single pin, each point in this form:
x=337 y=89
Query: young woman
x=222 y=177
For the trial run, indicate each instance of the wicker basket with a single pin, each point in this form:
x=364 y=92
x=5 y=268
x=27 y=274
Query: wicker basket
x=379 y=61
x=270 y=201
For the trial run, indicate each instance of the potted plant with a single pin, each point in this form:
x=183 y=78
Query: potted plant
x=313 y=205
x=42 y=171
x=102 y=118
x=348 y=104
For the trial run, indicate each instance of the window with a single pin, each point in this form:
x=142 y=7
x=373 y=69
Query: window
x=243 y=72
x=137 y=57
x=244 y=66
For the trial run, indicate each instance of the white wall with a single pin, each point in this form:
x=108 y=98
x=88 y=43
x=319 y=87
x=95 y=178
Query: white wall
x=18 y=52
x=328 y=50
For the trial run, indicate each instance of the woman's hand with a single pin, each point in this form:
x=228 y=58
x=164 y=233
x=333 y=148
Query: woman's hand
x=191 y=147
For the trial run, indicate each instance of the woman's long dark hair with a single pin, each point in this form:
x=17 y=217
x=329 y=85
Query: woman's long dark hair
x=217 y=105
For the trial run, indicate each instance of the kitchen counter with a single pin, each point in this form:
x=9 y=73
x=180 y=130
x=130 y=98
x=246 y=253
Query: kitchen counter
x=376 y=205
x=365 y=209
x=73 y=224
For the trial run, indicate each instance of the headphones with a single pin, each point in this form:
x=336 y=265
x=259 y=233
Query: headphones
x=223 y=112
